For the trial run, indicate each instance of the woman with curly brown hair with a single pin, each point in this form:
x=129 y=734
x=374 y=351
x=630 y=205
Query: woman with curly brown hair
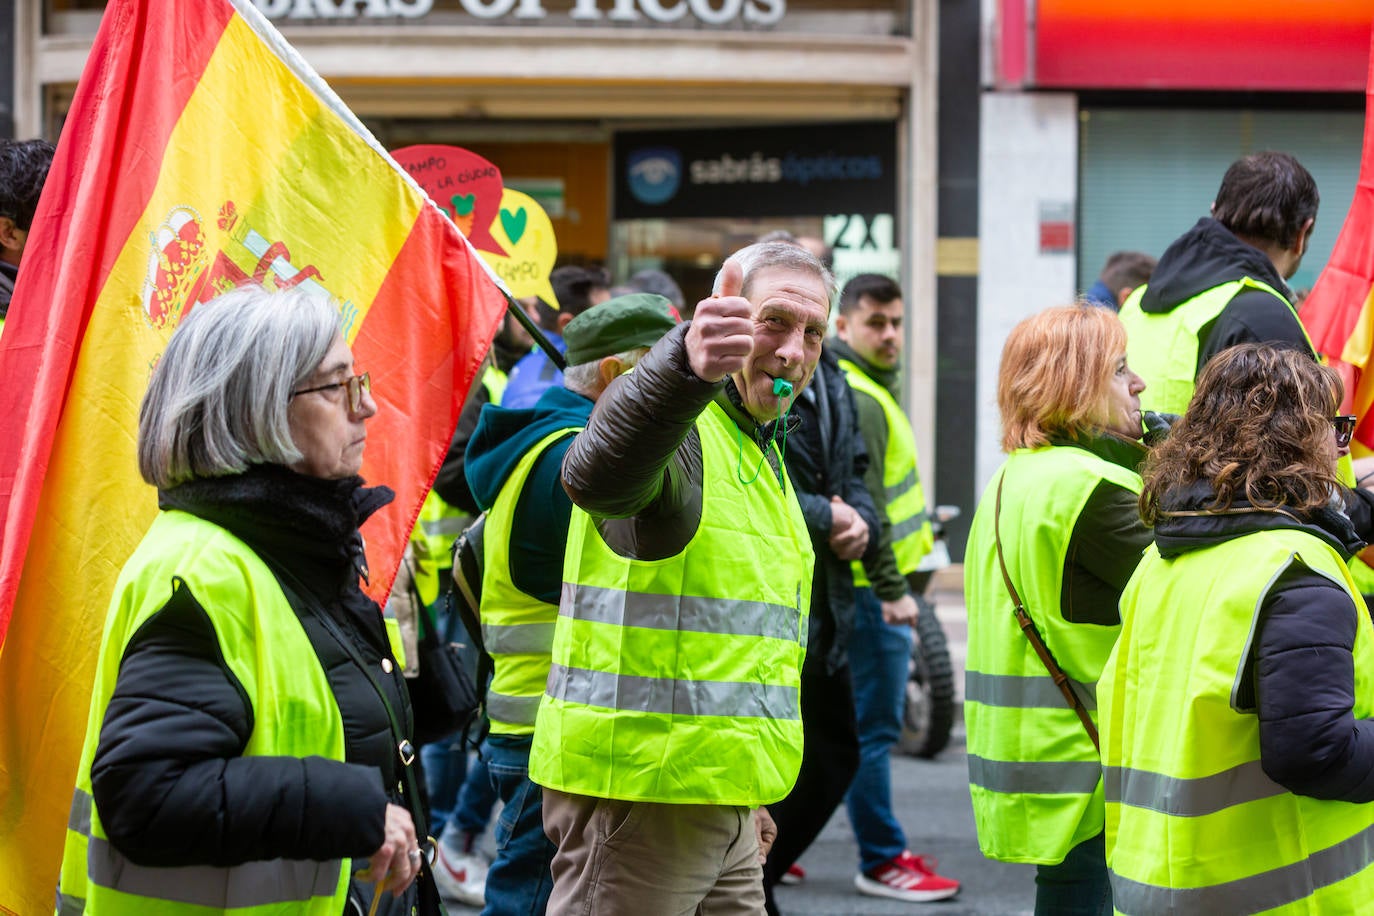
x=1236 y=708
x=1062 y=514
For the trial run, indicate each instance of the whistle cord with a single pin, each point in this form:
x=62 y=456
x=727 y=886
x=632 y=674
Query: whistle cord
x=782 y=446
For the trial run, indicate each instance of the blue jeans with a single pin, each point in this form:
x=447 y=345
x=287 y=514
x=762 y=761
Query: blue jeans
x=519 y=881
x=879 y=663
x=1078 y=886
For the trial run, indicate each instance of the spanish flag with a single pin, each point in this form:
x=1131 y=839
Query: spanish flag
x=200 y=153
x=1339 y=312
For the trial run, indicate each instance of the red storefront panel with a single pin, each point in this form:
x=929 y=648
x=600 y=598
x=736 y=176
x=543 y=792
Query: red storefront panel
x=1309 y=45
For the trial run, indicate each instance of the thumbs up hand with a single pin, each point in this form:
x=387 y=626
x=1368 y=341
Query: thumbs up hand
x=722 y=333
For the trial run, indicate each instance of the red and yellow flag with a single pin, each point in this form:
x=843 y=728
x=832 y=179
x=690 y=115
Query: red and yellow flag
x=1339 y=312
x=200 y=153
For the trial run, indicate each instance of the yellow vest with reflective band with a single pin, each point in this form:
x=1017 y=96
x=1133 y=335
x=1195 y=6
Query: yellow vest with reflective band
x=1034 y=774
x=678 y=680
x=906 y=501
x=1193 y=823
x=1163 y=348
x=517 y=629
x=432 y=542
x=494 y=380
x=294 y=715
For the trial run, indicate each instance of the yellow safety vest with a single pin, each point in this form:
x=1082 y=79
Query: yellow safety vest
x=294 y=715
x=517 y=629
x=1034 y=774
x=678 y=680
x=1193 y=823
x=906 y=500
x=1163 y=348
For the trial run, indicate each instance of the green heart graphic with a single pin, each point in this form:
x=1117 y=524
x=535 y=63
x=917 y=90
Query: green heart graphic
x=514 y=224
x=463 y=203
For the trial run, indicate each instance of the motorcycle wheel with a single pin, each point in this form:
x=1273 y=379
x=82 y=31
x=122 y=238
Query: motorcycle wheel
x=929 y=713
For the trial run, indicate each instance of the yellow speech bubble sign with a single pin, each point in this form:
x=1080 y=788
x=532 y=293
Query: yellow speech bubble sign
x=522 y=227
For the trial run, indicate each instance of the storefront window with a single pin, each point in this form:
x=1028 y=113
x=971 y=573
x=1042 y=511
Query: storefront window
x=686 y=199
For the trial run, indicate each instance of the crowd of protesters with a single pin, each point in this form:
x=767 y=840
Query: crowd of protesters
x=690 y=621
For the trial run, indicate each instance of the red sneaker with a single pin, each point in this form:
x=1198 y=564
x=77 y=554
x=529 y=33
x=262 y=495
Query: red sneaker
x=795 y=875
x=907 y=877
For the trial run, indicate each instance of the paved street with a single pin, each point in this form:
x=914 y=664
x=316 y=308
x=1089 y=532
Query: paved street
x=933 y=805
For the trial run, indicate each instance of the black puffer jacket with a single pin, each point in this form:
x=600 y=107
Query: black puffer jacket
x=1304 y=678
x=1209 y=255
x=169 y=777
x=826 y=457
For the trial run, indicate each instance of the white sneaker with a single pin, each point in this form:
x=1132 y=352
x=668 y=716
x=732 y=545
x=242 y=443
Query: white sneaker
x=460 y=876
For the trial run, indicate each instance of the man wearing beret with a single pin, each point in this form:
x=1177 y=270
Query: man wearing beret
x=513 y=467
x=672 y=713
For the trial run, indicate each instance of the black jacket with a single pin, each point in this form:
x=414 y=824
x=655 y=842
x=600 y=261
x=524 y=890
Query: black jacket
x=1209 y=255
x=826 y=457
x=169 y=777
x=880 y=563
x=1303 y=677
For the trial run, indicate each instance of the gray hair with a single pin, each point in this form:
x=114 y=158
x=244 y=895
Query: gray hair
x=786 y=255
x=584 y=378
x=217 y=400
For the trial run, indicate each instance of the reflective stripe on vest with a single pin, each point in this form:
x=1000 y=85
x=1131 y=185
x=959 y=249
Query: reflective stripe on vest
x=1034 y=776
x=1036 y=691
x=672 y=696
x=1192 y=819
x=517 y=628
x=906 y=501
x=1163 y=348
x=678 y=680
x=301 y=719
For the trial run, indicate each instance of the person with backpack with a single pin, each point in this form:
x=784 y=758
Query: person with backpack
x=513 y=467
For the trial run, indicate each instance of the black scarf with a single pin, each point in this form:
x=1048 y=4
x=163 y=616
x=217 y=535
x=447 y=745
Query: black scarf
x=303 y=525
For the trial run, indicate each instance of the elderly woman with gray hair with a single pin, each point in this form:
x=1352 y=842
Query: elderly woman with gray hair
x=248 y=728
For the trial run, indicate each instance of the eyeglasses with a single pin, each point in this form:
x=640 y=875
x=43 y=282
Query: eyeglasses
x=355 y=385
x=1345 y=428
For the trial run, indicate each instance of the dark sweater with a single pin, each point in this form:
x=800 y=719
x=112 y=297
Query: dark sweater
x=1108 y=538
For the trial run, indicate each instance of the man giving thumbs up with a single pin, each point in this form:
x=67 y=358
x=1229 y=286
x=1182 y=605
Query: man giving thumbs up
x=672 y=709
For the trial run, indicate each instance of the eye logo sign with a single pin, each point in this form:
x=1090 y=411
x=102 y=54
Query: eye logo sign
x=655 y=174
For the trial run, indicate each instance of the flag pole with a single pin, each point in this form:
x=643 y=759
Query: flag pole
x=537 y=333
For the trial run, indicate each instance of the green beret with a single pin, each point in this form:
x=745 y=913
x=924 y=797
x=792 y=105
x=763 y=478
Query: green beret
x=616 y=325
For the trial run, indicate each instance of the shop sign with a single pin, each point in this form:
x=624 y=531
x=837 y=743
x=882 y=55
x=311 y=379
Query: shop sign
x=756 y=172
x=708 y=12
x=862 y=244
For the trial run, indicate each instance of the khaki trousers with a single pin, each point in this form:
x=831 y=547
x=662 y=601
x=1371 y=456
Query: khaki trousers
x=620 y=858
